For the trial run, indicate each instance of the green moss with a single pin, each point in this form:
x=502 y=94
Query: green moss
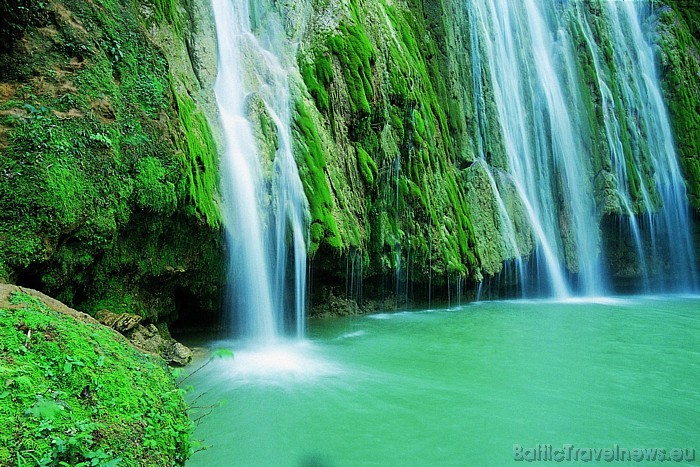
x=367 y=166
x=200 y=158
x=19 y=16
x=680 y=49
x=101 y=164
x=78 y=394
x=153 y=190
x=356 y=55
x=689 y=16
x=167 y=11
x=404 y=113
x=313 y=176
x=315 y=84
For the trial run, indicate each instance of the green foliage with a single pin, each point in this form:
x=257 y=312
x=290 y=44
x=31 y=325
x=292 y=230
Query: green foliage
x=356 y=55
x=17 y=16
x=221 y=353
x=152 y=188
x=166 y=10
x=680 y=49
x=689 y=16
x=430 y=183
x=78 y=394
x=102 y=166
x=50 y=192
x=215 y=354
x=317 y=76
x=400 y=120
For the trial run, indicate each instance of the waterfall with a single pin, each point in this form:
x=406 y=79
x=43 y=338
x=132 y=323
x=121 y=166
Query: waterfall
x=528 y=56
x=265 y=205
x=667 y=215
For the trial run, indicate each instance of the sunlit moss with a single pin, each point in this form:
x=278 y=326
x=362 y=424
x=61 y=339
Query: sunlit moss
x=201 y=162
x=76 y=393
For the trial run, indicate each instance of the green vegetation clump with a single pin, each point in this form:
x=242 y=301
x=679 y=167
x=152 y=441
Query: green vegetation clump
x=200 y=159
x=153 y=191
x=355 y=52
x=76 y=393
x=18 y=16
x=317 y=76
x=166 y=11
x=368 y=168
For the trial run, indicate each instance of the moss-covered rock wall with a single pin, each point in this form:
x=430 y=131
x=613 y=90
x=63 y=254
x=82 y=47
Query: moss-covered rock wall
x=390 y=139
x=108 y=146
x=679 y=41
x=385 y=137
x=108 y=165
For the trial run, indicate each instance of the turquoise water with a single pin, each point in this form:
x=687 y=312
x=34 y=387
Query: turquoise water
x=460 y=386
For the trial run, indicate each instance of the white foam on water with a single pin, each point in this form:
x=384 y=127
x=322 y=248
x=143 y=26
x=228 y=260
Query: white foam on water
x=280 y=362
x=350 y=335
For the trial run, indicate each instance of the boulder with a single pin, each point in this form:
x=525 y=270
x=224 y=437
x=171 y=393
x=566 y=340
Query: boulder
x=120 y=322
x=151 y=340
x=177 y=354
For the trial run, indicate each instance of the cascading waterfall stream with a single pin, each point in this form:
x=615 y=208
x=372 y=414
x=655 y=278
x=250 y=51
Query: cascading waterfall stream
x=669 y=221
x=531 y=65
x=613 y=134
x=530 y=99
x=265 y=202
x=524 y=56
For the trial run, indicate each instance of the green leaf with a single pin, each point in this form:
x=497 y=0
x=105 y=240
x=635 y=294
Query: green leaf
x=112 y=463
x=221 y=353
x=45 y=408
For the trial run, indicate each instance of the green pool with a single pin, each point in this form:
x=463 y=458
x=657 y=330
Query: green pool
x=476 y=385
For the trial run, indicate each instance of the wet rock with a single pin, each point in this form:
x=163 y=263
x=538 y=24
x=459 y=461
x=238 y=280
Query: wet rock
x=333 y=305
x=150 y=339
x=177 y=354
x=120 y=322
x=147 y=338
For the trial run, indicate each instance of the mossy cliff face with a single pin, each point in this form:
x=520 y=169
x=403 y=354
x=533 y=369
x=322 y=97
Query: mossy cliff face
x=384 y=144
x=679 y=41
x=400 y=163
x=108 y=167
